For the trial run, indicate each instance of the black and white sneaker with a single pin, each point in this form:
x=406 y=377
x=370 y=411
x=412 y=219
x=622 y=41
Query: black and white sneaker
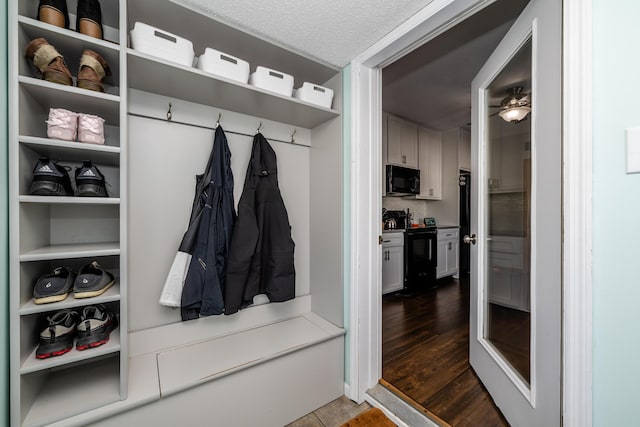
x=92 y=281
x=57 y=338
x=95 y=325
x=50 y=179
x=54 y=286
x=90 y=181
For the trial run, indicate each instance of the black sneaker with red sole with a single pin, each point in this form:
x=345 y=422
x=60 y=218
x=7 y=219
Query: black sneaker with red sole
x=57 y=338
x=95 y=324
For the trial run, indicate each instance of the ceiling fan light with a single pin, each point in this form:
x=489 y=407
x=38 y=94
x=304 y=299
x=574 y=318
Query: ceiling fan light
x=514 y=114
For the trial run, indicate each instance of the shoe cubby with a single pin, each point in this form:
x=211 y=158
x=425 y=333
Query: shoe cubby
x=31 y=271
x=28 y=10
x=56 y=393
x=70 y=45
x=49 y=228
x=34 y=324
x=37 y=96
x=29 y=158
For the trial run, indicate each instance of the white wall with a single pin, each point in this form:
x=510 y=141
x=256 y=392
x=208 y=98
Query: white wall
x=616 y=209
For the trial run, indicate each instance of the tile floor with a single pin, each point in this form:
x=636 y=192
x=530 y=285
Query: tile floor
x=332 y=414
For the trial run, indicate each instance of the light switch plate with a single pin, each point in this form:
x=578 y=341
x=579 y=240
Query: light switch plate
x=633 y=150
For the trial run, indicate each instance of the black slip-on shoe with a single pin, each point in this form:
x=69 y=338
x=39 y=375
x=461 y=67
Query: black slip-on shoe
x=89 y=18
x=95 y=325
x=57 y=338
x=50 y=179
x=54 y=12
x=90 y=181
x=54 y=286
x=92 y=281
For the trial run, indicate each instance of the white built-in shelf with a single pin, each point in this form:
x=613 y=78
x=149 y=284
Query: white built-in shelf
x=112 y=294
x=74 y=391
x=72 y=98
x=72 y=151
x=63 y=200
x=31 y=364
x=81 y=250
x=150 y=74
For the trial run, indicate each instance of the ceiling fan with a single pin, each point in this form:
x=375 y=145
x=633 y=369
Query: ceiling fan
x=515 y=107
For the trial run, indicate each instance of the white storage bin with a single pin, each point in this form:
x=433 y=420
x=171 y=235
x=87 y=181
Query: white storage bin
x=272 y=80
x=219 y=63
x=156 y=42
x=314 y=94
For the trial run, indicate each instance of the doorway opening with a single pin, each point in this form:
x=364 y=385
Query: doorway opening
x=425 y=324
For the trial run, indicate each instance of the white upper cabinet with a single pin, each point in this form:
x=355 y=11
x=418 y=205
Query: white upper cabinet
x=430 y=164
x=510 y=155
x=402 y=142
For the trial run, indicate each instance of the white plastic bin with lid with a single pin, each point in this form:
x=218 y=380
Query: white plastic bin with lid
x=160 y=43
x=272 y=80
x=224 y=65
x=314 y=94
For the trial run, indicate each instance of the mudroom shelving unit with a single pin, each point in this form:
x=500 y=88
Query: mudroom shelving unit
x=153 y=357
x=47 y=232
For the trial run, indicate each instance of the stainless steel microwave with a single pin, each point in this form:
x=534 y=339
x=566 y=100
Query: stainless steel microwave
x=402 y=181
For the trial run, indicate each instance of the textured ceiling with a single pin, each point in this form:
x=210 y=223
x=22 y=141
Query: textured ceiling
x=332 y=31
x=432 y=84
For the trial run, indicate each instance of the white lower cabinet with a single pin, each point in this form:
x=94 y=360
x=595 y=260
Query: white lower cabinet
x=508 y=278
x=448 y=252
x=392 y=262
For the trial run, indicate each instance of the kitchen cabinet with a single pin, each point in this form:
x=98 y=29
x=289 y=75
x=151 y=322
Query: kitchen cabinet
x=392 y=261
x=448 y=252
x=510 y=150
x=430 y=164
x=508 y=280
x=402 y=142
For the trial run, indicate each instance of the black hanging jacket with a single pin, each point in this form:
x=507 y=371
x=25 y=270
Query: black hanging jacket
x=261 y=256
x=209 y=234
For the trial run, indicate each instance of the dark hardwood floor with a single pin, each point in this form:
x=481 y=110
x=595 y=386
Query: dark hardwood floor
x=425 y=354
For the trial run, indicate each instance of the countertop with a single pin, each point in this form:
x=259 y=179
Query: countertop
x=448 y=226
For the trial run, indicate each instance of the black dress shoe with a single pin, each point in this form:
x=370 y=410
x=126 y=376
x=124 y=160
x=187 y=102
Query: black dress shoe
x=54 y=12
x=89 y=18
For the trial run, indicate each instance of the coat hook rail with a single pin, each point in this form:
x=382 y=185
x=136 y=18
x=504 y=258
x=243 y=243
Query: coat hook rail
x=290 y=142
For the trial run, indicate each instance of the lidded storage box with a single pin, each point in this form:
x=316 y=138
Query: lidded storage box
x=272 y=80
x=314 y=94
x=227 y=66
x=156 y=42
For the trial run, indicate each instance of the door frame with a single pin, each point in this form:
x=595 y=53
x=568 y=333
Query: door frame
x=365 y=334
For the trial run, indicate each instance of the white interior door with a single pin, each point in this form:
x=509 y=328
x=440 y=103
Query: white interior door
x=515 y=336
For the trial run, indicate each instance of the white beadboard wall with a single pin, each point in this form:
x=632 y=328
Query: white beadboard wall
x=164 y=159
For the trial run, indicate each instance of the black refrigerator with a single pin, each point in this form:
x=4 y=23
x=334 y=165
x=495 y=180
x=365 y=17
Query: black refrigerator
x=465 y=222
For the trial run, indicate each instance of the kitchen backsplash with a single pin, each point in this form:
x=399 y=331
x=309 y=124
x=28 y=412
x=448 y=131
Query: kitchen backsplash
x=417 y=207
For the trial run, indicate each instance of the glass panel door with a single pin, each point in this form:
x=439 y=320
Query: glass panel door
x=508 y=293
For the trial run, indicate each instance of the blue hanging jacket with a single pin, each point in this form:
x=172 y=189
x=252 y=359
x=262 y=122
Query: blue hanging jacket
x=209 y=235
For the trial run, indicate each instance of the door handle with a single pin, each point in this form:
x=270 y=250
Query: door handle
x=470 y=240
